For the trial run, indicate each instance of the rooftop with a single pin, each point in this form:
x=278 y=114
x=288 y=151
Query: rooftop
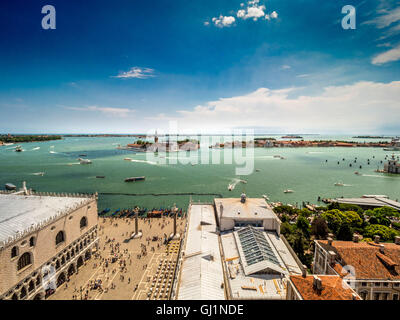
x=201 y=273
x=367 y=259
x=20 y=213
x=259 y=273
x=333 y=288
x=370 y=201
x=253 y=208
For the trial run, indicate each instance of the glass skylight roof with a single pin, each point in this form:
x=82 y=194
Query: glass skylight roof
x=255 y=246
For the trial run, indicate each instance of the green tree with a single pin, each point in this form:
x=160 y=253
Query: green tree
x=319 y=228
x=384 y=232
x=345 y=233
x=304 y=225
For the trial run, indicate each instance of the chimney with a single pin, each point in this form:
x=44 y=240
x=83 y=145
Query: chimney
x=397 y=240
x=304 y=271
x=356 y=238
x=332 y=257
x=376 y=238
x=330 y=241
x=317 y=283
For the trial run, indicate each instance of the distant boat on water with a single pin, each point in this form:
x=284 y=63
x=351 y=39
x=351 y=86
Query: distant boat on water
x=18 y=149
x=339 y=184
x=38 y=174
x=132 y=179
x=231 y=187
x=288 y=191
x=10 y=186
x=84 y=161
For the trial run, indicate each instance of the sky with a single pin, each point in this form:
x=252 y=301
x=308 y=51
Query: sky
x=204 y=66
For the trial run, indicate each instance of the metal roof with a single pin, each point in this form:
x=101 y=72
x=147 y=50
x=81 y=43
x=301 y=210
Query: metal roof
x=370 y=201
x=19 y=213
x=201 y=273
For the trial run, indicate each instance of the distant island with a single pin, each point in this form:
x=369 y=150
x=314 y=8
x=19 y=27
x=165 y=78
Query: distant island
x=373 y=137
x=291 y=137
x=8 y=138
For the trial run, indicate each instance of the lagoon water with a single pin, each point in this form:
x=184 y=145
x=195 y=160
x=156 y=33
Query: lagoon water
x=303 y=170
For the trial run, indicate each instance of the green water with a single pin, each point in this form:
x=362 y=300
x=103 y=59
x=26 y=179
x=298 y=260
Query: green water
x=304 y=170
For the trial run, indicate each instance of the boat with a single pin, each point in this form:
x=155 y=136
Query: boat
x=339 y=184
x=100 y=177
x=18 y=149
x=83 y=155
x=258 y=170
x=84 y=161
x=38 y=174
x=277 y=156
x=265 y=197
x=288 y=191
x=356 y=172
x=231 y=187
x=128 y=159
x=132 y=179
x=10 y=186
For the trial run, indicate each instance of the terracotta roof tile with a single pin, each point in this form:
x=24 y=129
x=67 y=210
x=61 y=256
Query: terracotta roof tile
x=367 y=260
x=333 y=288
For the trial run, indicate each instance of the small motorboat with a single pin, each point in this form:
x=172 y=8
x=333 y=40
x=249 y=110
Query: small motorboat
x=288 y=191
x=258 y=170
x=84 y=161
x=356 y=172
x=339 y=184
x=10 y=186
x=18 y=149
x=231 y=187
x=38 y=174
x=132 y=179
x=100 y=177
x=128 y=159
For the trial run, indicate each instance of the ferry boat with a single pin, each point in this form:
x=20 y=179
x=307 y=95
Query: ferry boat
x=132 y=179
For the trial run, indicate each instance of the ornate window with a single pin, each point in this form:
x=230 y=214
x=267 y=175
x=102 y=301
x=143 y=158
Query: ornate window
x=24 y=260
x=14 y=252
x=32 y=241
x=60 y=237
x=83 y=222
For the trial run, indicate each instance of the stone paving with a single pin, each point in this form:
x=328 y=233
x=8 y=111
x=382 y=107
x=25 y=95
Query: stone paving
x=143 y=268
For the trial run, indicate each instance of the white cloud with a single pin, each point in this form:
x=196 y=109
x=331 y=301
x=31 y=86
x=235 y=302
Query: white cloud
x=250 y=10
x=386 y=18
x=387 y=56
x=117 y=112
x=356 y=107
x=136 y=72
x=285 y=67
x=223 y=21
x=302 y=75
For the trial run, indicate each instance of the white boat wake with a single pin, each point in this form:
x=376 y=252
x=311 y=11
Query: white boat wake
x=37 y=148
x=144 y=161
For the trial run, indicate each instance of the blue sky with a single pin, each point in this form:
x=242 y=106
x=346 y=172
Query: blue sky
x=133 y=66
